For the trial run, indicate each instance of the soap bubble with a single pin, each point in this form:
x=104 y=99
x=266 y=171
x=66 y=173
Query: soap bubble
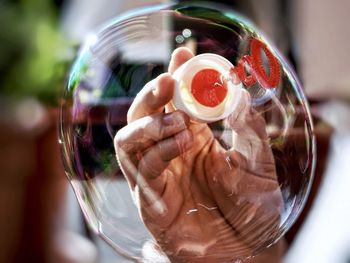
x=254 y=159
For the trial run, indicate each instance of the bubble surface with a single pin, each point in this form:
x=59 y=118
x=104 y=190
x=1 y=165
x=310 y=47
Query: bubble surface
x=218 y=187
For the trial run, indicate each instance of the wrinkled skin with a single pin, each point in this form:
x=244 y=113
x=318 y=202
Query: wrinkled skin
x=201 y=202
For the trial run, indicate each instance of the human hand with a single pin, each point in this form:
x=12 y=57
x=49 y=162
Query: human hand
x=200 y=201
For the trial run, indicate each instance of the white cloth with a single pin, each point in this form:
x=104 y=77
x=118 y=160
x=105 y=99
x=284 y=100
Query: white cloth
x=325 y=236
x=322 y=33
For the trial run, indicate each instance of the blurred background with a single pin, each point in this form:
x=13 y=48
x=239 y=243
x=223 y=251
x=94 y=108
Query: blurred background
x=39 y=217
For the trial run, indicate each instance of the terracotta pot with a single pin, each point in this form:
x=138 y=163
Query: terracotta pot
x=32 y=191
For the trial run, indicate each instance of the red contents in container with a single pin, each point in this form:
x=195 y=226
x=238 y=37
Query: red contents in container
x=209 y=87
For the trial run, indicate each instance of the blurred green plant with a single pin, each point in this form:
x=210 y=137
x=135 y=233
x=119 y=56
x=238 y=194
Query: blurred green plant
x=34 y=56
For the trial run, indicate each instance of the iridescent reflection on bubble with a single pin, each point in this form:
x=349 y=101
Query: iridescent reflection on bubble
x=245 y=179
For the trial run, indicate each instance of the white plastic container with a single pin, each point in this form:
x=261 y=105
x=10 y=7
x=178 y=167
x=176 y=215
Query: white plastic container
x=184 y=100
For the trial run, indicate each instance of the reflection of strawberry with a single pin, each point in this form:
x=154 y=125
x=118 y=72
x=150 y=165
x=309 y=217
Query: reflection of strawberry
x=208 y=87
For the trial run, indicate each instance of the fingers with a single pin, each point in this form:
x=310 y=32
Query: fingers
x=158 y=157
x=152 y=98
x=150 y=176
x=146 y=146
x=154 y=163
x=237 y=118
x=246 y=121
x=250 y=140
x=158 y=92
x=179 y=57
x=143 y=133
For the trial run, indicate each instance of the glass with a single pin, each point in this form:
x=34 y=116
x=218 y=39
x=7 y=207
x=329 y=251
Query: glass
x=244 y=178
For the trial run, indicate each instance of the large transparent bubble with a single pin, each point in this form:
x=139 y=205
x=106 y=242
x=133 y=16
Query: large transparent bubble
x=218 y=174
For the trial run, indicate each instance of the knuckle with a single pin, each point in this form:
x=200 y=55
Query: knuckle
x=183 y=140
x=130 y=115
x=117 y=141
x=150 y=169
x=163 y=152
x=149 y=99
x=120 y=139
x=153 y=129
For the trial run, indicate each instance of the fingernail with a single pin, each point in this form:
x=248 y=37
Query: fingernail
x=175 y=119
